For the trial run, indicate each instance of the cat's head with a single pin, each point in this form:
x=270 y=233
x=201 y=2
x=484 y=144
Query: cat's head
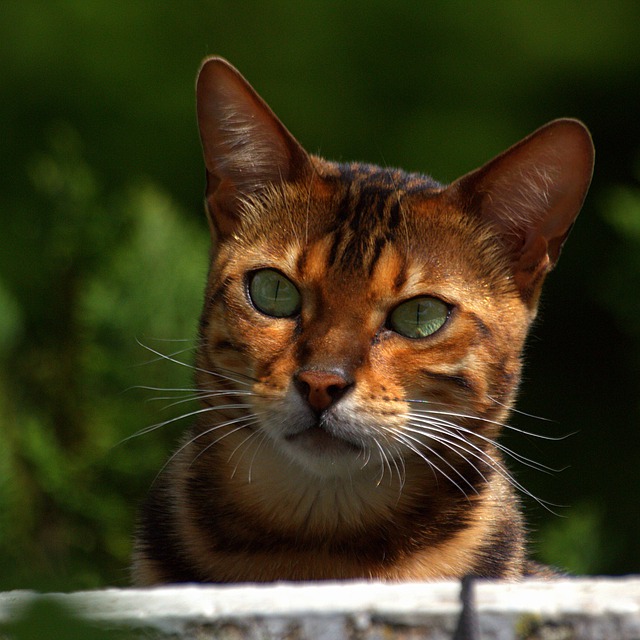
x=367 y=313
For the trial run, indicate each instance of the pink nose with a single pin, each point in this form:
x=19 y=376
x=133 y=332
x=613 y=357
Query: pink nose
x=321 y=388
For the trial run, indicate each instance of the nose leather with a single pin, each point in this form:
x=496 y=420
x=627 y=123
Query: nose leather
x=322 y=388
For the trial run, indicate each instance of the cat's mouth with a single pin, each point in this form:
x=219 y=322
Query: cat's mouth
x=319 y=440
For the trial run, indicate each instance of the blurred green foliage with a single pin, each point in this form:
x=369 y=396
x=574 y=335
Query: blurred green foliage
x=103 y=245
x=46 y=618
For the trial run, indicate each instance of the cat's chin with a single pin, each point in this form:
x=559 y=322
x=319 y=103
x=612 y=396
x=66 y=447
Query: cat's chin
x=319 y=452
x=319 y=442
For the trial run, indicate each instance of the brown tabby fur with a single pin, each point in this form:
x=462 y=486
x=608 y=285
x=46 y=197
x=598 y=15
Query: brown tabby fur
x=398 y=476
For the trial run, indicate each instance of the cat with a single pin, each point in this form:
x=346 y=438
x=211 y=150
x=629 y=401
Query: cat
x=359 y=352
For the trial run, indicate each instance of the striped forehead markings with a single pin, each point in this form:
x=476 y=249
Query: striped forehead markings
x=369 y=213
x=369 y=216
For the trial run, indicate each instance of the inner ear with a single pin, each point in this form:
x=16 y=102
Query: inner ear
x=531 y=194
x=245 y=145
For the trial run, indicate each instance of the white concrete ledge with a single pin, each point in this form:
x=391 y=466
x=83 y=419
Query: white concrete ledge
x=560 y=609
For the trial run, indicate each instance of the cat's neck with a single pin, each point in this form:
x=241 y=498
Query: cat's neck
x=306 y=526
x=285 y=491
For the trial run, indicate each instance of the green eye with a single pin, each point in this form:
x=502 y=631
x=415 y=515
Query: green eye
x=273 y=294
x=419 y=318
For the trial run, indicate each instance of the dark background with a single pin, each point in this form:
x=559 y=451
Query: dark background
x=103 y=244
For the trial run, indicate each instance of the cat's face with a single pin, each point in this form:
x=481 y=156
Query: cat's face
x=364 y=314
x=364 y=317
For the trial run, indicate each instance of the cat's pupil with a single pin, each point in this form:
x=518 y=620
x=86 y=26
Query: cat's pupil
x=274 y=294
x=419 y=318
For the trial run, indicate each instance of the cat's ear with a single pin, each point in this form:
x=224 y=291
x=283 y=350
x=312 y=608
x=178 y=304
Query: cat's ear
x=245 y=146
x=532 y=194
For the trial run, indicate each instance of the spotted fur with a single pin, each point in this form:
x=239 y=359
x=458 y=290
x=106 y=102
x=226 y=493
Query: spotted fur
x=329 y=446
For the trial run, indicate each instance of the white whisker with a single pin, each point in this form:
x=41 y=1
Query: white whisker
x=433 y=421
x=251 y=435
x=449 y=435
x=383 y=459
x=408 y=441
x=243 y=422
x=163 y=356
x=163 y=389
x=250 y=420
x=263 y=438
x=395 y=456
x=159 y=425
x=502 y=425
x=194 y=368
x=368 y=456
x=201 y=397
x=521 y=413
